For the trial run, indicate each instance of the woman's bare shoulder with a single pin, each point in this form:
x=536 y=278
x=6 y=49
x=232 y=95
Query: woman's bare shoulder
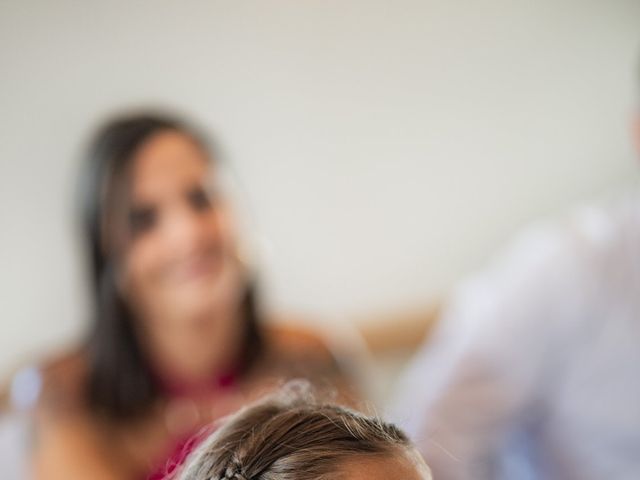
x=71 y=442
x=300 y=351
x=63 y=380
x=292 y=337
x=45 y=382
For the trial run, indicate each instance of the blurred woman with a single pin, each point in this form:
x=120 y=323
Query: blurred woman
x=177 y=340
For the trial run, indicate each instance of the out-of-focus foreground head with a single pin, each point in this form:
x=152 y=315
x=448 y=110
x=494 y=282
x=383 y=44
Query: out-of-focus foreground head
x=292 y=436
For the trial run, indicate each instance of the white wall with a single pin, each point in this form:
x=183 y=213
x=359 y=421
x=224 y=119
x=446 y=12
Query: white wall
x=386 y=147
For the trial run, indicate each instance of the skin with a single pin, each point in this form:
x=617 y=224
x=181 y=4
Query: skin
x=407 y=465
x=179 y=273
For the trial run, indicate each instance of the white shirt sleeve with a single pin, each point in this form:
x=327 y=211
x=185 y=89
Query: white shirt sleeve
x=489 y=360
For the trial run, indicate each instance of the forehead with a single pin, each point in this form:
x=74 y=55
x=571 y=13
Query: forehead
x=405 y=465
x=166 y=163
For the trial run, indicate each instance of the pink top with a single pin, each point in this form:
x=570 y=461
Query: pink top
x=188 y=443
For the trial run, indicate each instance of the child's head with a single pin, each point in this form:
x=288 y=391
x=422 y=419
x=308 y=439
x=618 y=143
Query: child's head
x=291 y=437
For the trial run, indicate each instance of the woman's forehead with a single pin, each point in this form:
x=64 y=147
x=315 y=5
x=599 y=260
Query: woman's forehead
x=168 y=162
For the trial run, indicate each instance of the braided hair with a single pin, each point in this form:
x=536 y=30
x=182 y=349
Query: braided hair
x=291 y=436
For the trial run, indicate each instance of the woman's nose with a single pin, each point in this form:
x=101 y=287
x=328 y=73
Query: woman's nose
x=187 y=230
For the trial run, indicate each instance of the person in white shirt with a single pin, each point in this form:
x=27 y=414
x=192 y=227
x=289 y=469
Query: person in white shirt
x=534 y=370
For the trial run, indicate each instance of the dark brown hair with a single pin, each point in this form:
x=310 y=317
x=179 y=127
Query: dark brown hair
x=291 y=436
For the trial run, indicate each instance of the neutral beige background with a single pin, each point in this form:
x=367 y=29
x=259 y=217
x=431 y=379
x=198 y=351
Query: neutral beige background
x=382 y=148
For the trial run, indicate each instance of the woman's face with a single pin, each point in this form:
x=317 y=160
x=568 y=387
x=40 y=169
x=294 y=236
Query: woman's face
x=179 y=263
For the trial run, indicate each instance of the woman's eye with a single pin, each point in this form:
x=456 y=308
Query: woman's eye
x=142 y=220
x=200 y=199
